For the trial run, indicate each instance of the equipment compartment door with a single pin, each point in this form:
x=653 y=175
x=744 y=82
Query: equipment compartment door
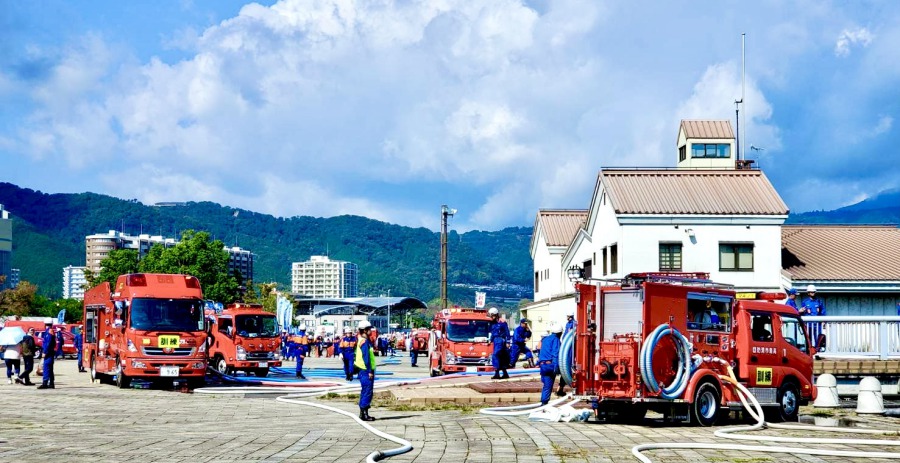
x=621 y=313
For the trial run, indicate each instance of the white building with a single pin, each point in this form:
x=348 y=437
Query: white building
x=321 y=277
x=6 y=249
x=97 y=248
x=704 y=216
x=73 y=282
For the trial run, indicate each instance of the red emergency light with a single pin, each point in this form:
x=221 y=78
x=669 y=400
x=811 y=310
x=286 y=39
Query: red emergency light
x=771 y=296
x=136 y=279
x=191 y=282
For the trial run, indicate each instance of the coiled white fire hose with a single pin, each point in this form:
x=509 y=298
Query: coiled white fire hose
x=517 y=410
x=756 y=412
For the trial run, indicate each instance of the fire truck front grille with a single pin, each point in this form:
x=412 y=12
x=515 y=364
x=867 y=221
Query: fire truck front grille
x=176 y=352
x=473 y=361
x=260 y=355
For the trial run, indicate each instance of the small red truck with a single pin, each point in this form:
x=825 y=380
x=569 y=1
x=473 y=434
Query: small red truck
x=460 y=341
x=243 y=337
x=148 y=326
x=669 y=343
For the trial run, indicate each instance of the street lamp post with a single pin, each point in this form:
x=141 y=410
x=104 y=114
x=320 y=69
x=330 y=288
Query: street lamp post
x=389 y=314
x=445 y=212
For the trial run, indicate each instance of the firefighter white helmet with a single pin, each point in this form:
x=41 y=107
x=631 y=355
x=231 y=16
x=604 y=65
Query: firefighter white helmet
x=302 y=327
x=493 y=311
x=48 y=321
x=363 y=325
x=556 y=328
x=347 y=329
x=570 y=312
x=811 y=289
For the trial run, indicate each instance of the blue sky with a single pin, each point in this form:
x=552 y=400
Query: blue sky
x=389 y=109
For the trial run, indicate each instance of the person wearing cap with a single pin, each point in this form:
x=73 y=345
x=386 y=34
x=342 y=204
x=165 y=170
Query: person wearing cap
x=365 y=363
x=348 y=350
x=812 y=305
x=302 y=341
x=49 y=349
x=499 y=336
x=411 y=348
x=60 y=341
x=521 y=334
x=792 y=299
x=79 y=346
x=548 y=361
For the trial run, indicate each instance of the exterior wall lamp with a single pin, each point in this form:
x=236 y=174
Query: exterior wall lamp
x=575 y=273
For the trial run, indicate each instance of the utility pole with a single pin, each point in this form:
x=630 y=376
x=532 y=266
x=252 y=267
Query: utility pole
x=445 y=212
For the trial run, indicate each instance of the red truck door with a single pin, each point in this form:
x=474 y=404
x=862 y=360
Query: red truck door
x=762 y=350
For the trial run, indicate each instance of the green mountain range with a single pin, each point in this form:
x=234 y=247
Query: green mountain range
x=49 y=232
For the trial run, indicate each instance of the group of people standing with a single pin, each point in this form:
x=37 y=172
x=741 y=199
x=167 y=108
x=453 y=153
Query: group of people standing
x=19 y=358
x=811 y=305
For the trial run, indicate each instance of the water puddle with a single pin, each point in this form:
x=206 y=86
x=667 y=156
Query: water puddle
x=831 y=422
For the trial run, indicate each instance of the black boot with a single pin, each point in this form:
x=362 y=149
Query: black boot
x=505 y=375
x=365 y=415
x=496 y=375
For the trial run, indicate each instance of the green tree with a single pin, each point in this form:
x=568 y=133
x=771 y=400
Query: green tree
x=197 y=255
x=17 y=301
x=118 y=262
x=262 y=293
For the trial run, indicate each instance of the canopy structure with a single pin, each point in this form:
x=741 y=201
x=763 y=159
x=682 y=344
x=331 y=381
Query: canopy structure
x=356 y=305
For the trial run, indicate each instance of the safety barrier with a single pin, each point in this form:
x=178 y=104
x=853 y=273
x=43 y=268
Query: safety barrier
x=855 y=336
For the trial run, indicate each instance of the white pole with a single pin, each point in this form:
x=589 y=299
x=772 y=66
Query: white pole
x=743 y=97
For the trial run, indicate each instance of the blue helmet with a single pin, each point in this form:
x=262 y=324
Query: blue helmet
x=792 y=292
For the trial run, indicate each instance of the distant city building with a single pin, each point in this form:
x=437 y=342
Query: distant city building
x=322 y=277
x=14 y=278
x=5 y=248
x=97 y=248
x=73 y=282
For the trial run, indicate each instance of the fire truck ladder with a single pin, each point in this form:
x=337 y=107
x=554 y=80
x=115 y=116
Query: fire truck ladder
x=675 y=278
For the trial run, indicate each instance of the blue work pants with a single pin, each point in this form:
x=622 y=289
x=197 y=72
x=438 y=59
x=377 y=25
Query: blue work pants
x=413 y=357
x=347 y=356
x=300 y=354
x=27 y=367
x=517 y=349
x=548 y=377
x=48 y=370
x=500 y=357
x=367 y=387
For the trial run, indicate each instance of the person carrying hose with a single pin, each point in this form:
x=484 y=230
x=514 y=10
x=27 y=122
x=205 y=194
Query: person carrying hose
x=570 y=326
x=365 y=364
x=521 y=334
x=499 y=336
x=548 y=361
x=348 y=348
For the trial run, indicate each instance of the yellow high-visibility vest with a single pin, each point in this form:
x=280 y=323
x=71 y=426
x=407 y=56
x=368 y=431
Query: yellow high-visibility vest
x=358 y=362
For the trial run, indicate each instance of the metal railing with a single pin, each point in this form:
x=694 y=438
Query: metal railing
x=855 y=336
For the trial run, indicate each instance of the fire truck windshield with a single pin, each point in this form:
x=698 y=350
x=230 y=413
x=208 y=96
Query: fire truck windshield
x=166 y=315
x=468 y=330
x=253 y=326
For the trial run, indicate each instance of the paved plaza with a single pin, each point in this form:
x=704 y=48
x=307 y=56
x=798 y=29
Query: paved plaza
x=84 y=422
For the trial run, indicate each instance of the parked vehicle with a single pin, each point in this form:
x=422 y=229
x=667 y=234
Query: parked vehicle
x=243 y=337
x=459 y=341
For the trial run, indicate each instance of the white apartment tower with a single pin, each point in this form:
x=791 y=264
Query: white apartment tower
x=321 y=277
x=73 y=282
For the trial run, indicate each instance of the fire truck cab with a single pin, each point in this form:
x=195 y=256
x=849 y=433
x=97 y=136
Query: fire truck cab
x=149 y=326
x=668 y=343
x=243 y=337
x=460 y=341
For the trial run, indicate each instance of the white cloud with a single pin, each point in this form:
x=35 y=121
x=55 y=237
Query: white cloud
x=848 y=38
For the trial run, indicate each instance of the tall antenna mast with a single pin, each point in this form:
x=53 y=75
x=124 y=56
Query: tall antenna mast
x=743 y=96
x=445 y=212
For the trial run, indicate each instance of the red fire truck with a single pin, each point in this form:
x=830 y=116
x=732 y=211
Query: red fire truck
x=667 y=342
x=243 y=337
x=459 y=341
x=151 y=326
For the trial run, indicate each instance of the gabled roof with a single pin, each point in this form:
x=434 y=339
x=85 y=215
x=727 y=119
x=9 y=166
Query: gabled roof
x=560 y=225
x=695 y=192
x=841 y=252
x=706 y=129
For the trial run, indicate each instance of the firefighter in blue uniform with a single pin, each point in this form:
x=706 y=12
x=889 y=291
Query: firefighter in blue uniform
x=365 y=363
x=284 y=344
x=59 y=343
x=499 y=336
x=79 y=345
x=302 y=349
x=792 y=299
x=347 y=352
x=521 y=334
x=548 y=361
x=49 y=349
x=811 y=304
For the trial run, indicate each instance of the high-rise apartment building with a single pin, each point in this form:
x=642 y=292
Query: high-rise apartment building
x=73 y=282
x=321 y=277
x=5 y=249
x=97 y=248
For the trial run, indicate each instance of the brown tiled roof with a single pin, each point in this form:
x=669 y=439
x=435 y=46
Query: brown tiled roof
x=707 y=129
x=707 y=192
x=841 y=252
x=560 y=225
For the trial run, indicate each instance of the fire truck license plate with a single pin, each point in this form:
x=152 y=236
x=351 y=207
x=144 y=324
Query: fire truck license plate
x=263 y=364
x=168 y=371
x=167 y=340
x=471 y=369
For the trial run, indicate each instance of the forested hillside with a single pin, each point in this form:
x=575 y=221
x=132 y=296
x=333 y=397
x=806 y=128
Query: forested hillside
x=49 y=231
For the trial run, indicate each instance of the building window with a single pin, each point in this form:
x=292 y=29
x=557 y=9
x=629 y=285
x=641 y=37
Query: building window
x=605 y=261
x=537 y=282
x=710 y=150
x=682 y=153
x=736 y=257
x=588 y=269
x=669 y=257
x=614 y=259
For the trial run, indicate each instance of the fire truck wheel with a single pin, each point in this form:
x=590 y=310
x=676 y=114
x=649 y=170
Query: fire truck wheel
x=122 y=381
x=261 y=372
x=222 y=366
x=788 y=403
x=707 y=405
x=93 y=369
